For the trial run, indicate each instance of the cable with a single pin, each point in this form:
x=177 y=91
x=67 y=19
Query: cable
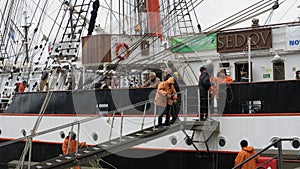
x=198 y=25
x=242 y=12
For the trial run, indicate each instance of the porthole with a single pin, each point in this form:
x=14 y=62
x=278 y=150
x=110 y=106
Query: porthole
x=222 y=142
x=173 y=140
x=23 y=132
x=0 y=131
x=95 y=136
x=296 y=143
x=275 y=140
x=62 y=135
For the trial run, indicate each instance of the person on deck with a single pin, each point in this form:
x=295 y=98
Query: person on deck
x=204 y=85
x=244 y=75
x=175 y=109
x=44 y=84
x=152 y=82
x=245 y=153
x=22 y=86
x=228 y=79
x=165 y=96
x=222 y=82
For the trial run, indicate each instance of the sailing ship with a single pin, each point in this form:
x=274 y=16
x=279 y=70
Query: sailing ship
x=89 y=84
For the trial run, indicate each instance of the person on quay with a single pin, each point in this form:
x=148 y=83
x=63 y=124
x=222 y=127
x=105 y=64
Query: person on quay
x=69 y=145
x=298 y=75
x=245 y=153
x=165 y=96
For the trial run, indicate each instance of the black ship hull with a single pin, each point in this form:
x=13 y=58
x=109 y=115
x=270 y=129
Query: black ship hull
x=179 y=159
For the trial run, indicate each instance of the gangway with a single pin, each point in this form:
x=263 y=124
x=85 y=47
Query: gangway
x=122 y=143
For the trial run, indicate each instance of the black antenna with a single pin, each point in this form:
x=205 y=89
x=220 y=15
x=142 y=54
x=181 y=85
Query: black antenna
x=96 y=5
x=276 y=5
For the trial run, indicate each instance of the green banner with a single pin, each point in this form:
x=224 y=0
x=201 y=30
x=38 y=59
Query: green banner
x=194 y=44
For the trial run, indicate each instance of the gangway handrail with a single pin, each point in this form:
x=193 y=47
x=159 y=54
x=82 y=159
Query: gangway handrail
x=67 y=125
x=275 y=142
x=77 y=122
x=116 y=145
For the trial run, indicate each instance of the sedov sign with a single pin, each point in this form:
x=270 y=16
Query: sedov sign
x=238 y=41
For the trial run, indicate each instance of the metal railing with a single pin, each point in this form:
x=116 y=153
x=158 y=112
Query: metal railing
x=113 y=112
x=276 y=143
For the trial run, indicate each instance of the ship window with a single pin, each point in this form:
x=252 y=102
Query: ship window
x=278 y=70
x=225 y=64
x=23 y=131
x=222 y=141
x=95 y=136
x=173 y=140
x=274 y=140
x=62 y=135
x=0 y=131
x=252 y=106
x=296 y=143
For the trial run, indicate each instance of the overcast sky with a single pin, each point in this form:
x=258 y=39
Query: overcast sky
x=212 y=11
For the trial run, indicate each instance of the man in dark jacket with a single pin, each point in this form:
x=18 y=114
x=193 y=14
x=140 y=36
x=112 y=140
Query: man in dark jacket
x=176 y=106
x=204 y=85
x=244 y=75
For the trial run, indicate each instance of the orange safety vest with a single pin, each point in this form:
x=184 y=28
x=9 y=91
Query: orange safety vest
x=245 y=154
x=21 y=87
x=228 y=79
x=72 y=146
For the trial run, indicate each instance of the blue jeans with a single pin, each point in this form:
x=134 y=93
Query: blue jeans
x=163 y=111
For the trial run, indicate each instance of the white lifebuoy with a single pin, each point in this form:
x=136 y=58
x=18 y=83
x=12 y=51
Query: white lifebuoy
x=125 y=54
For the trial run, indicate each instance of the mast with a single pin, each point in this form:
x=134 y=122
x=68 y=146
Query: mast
x=26 y=28
x=154 y=22
x=139 y=26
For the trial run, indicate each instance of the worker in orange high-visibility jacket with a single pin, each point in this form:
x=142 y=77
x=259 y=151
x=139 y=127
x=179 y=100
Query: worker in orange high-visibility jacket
x=245 y=153
x=72 y=145
x=165 y=97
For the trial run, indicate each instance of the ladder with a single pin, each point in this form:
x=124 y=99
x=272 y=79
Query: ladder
x=6 y=97
x=71 y=37
x=123 y=143
x=184 y=21
x=3 y=52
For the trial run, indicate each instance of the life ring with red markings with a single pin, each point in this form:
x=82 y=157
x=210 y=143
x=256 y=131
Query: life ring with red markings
x=122 y=54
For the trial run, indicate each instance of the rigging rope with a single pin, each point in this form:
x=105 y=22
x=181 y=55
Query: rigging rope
x=198 y=24
x=36 y=126
x=238 y=20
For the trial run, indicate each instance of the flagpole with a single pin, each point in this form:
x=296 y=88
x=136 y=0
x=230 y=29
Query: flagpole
x=249 y=59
